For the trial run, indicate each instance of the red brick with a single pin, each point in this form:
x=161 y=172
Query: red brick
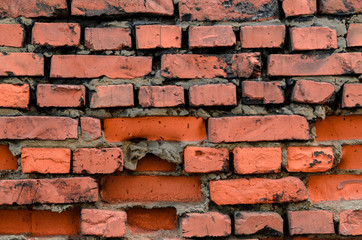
x=55 y=190
x=12 y=35
x=314 y=65
x=33 y=8
x=257 y=160
x=205 y=159
x=309 y=159
x=339 y=128
x=113 y=96
x=237 y=10
x=334 y=188
x=56 y=34
x=21 y=64
x=151 y=189
x=268 y=36
x=14 y=96
x=211 y=36
x=7 y=160
x=45 y=160
x=352 y=95
x=340 y=7
x=311 y=38
x=158 y=36
x=258 y=128
x=155 y=128
x=97 y=161
x=52 y=95
x=38 y=127
x=253 y=222
x=351 y=157
x=121 y=7
x=161 y=96
x=100 y=39
x=350 y=222
x=47 y=223
x=212 y=95
x=258 y=190
x=243 y=65
x=262 y=92
x=94 y=66
x=141 y=219
x=354 y=35
x=310 y=222
x=15 y=221
x=211 y=224
x=105 y=223
x=91 y=128
x=152 y=163
x=299 y=7
x=311 y=92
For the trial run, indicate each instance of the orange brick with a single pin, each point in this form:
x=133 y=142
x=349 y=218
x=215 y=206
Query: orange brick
x=158 y=36
x=268 y=36
x=161 y=96
x=100 y=39
x=309 y=159
x=350 y=222
x=299 y=7
x=12 y=35
x=21 y=64
x=253 y=222
x=14 y=96
x=33 y=8
x=56 y=34
x=15 y=221
x=141 y=219
x=152 y=163
x=311 y=38
x=310 y=222
x=354 y=35
x=340 y=7
x=352 y=95
x=312 y=92
x=351 y=157
x=113 y=96
x=254 y=92
x=7 y=160
x=91 y=128
x=52 y=95
x=211 y=36
x=212 y=95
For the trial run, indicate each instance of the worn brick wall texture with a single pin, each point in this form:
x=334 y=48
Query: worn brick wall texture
x=181 y=119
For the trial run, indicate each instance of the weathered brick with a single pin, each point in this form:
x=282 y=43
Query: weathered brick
x=205 y=159
x=155 y=128
x=211 y=36
x=334 y=188
x=21 y=64
x=33 y=8
x=253 y=222
x=350 y=222
x=151 y=189
x=7 y=160
x=15 y=221
x=309 y=159
x=351 y=157
x=56 y=190
x=152 y=163
x=339 y=128
x=311 y=38
x=52 y=95
x=14 y=96
x=268 y=36
x=93 y=66
x=257 y=160
x=12 y=35
x=121 y=7
x=158 y=36
x=45 y=160
x=310 y=222
x=104 y=223
x=97 y=161
x=340 y=7
x=161 y=96
x=141 y=219
x=56 y=34
x=354 y=35
x=91 y=128
x=299 y=7
x=352 y=95
x=211 y=224
x=113 y=96
x=38 y=127
x=258 y=190
x=311 y=92
x=315 y=65
x=100 y=39
x=243 y=65
x=212 y=95
x=258 y=128
x=254 y=92
x=237 y=10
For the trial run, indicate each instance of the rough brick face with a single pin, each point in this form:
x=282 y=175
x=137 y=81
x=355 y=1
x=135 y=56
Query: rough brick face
x=141 y=219
x=161 y=96
x=309 y=159
x=354 y=35
x=51 y=95
x=91 y=128
x=351 y=157
x=7 y=160
x=340 y=7
x=268 y=36
x=299 y=7
x=158 y=36
x=211 y=36
x=254 y=92
x=350 y=222
x=113 y=96
x=311 y=92
x=252 y=222
x=21 y=64
x=310 y=38
x=100 y=39
x=14 y=96
x=56 y=34
x=310 y=222
x=212 y=95
x=352 y=95
x=12 y=35
x=152 y=163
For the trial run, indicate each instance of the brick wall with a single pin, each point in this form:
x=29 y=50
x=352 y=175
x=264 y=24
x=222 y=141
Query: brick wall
x=162 y=119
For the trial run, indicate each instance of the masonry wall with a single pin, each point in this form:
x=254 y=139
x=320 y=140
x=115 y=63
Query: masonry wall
x=161 y=119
